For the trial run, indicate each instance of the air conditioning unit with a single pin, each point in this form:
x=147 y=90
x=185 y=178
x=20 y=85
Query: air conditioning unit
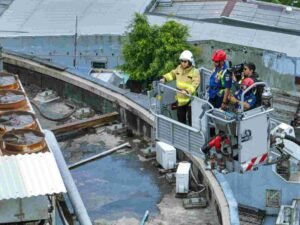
x=182 y=177
x=165 y=155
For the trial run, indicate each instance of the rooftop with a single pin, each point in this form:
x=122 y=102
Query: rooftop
x=260 y=24
x=258 y=13
x=204 y=31
x=267 y=14
x=45 y=17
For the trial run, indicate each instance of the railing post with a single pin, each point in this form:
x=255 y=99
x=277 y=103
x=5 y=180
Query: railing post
x=188 y=136
x=172 y=133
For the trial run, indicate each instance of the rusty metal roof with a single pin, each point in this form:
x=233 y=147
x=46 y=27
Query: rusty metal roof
x=29 y=175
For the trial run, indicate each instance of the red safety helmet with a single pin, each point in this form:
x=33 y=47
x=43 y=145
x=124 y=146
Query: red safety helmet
x=247 y=82
x=219 y=55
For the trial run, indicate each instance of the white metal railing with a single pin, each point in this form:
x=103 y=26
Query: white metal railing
x=248 y=89
x=182 y=136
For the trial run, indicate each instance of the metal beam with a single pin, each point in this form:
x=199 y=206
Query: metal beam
x=96 y=121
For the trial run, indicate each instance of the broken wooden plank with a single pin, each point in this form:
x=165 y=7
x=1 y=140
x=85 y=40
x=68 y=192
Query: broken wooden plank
x=95 y=121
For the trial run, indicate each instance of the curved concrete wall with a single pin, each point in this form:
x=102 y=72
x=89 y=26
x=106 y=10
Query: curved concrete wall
x=251 y=188
x=219 y=193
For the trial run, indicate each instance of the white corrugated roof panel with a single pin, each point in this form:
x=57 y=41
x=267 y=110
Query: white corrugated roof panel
x=29 y=175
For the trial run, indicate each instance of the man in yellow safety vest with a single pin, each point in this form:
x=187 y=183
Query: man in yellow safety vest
x=187 y=81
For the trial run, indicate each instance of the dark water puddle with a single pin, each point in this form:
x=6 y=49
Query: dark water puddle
x=117 y=186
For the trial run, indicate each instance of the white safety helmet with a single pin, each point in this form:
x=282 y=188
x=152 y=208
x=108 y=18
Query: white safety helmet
x=187 y=55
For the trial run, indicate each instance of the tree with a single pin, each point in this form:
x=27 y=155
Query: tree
x=171 y=40
x=150 y=51
x=138 y=47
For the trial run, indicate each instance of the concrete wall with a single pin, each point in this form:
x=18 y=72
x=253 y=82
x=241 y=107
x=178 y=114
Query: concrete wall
x=60 y=49
x=277 y=69
x=218 y=192
x=250 y=188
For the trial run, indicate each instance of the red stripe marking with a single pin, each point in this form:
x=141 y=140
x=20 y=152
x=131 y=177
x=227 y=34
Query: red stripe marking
x=250 y=165
x=253 y=160
x=263 y=158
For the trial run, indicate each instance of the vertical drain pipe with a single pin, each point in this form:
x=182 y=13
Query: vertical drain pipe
x=1 y=59
x=73 y=193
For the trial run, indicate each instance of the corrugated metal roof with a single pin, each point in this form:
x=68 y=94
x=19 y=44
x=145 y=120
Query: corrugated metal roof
x=195 y=10
x=201 y=31
x=4 y=4
x=261 y=13
x=57 y=17
x=267 y=14
x=29 y=175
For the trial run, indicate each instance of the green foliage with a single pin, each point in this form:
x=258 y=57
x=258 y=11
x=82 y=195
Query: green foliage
x=295 y=3
x=138 y=47
x=150 y=51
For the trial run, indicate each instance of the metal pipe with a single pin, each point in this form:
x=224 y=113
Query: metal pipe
x=218 y=118
x=145 y=217
x=73 y=193
x=100 y=155
x=61 y=213
x=1 y=59
x=258 y=114
x=191 y=96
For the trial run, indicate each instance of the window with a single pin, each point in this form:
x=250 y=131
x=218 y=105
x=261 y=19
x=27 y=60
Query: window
x=99 y=63
x=273 y=198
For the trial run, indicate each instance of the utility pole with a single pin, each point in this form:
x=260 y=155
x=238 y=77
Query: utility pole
x=75 y=42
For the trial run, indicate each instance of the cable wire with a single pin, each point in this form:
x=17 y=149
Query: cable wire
x=55 y=119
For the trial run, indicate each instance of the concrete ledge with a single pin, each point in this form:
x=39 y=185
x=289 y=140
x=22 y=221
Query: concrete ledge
x=229 y=213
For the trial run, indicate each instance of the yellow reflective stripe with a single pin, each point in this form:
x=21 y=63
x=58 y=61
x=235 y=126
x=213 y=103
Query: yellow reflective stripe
x=182 y=101
x=221 y=91
x=168 y=76
x=241 y=80
x=185 y=86
x=191 y=89
x=181 y=85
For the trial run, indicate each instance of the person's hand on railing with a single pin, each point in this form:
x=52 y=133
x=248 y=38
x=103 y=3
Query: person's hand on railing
x=162 y=80
x=224 y=106
x=185 y=92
